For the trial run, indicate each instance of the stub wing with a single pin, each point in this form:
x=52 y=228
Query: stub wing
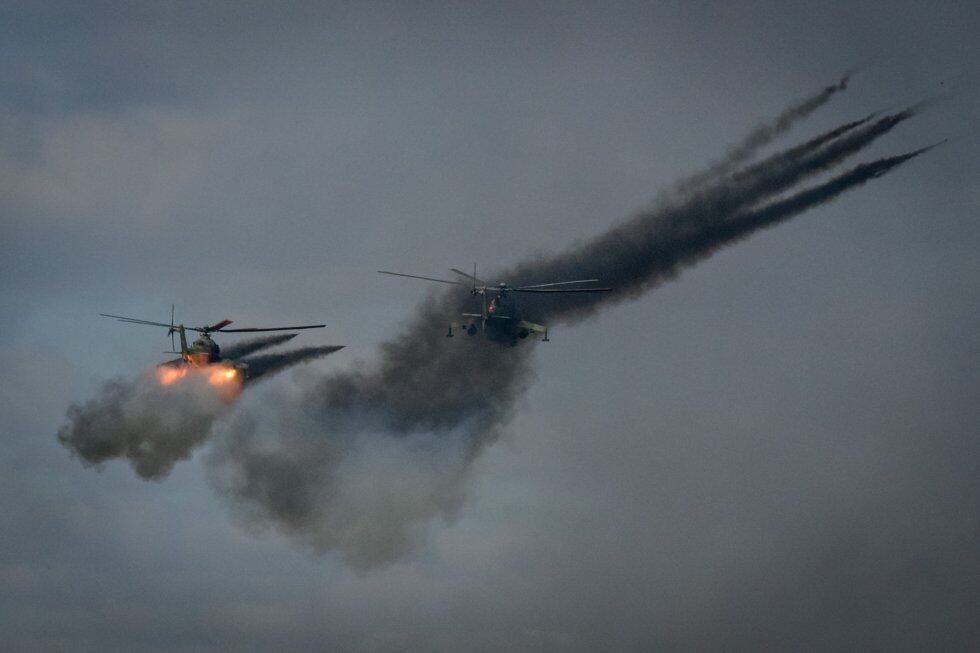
x=177 y=362
x=532 y=327
x=525 y=328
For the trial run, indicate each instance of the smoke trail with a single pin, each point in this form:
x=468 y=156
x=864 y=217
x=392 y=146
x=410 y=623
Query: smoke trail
x=771 y=176
x=269 y=364
x=365 y=458
x=776 y=212
x=687 y=251
x=245 y=347
x=649 y=249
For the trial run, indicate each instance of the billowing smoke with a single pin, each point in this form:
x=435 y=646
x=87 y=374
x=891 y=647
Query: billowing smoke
x=162 y=417
x=362 y=460
x=144 y=421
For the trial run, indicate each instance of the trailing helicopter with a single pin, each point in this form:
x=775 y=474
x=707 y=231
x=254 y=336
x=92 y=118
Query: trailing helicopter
x=204 y=353
x=500 y=318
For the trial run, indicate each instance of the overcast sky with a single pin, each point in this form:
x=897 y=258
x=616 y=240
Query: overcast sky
x=778 y=450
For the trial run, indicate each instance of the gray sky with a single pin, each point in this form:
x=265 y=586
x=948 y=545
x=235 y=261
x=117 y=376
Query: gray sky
x=778 y=450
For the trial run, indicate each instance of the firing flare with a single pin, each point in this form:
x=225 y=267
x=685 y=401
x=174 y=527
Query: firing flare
x=226 y=379
x=169 y=375
x=220 y=375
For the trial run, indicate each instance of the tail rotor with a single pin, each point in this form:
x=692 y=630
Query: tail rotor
x=173 y=345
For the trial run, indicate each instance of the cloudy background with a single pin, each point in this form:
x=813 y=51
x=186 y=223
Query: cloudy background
x=777 y=450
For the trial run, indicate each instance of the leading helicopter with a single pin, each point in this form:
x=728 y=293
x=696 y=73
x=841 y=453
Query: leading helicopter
x=205 y=352
x=500 y=318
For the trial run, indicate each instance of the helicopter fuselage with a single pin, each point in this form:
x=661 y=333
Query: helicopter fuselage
x=501 y=321
x=203 y=351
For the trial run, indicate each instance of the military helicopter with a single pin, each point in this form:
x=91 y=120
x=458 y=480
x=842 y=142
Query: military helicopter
x=500 y=318
x=204 y=351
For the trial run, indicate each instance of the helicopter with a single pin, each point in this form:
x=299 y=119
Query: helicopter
x=500 y=318
x=204 y=352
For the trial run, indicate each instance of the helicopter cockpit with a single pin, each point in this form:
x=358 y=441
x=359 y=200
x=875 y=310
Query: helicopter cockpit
x=206 y=349
x=501 y=306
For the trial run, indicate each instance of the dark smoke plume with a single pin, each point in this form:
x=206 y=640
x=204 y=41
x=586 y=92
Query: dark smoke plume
x=269 y=364
x=364 y=459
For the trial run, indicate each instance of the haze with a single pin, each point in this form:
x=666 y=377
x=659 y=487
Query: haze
x=777 y=450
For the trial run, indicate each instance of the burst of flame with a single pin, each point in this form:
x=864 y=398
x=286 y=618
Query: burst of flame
x=220 y=375
x=169 y=375
x=226 y=379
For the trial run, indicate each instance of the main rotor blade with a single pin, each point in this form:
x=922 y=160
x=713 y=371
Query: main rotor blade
x=133 y=320
x=213 y=329
x=552 y=290
x=558 y=283
x=415 y=276
x=469 y=276
x=289 y=328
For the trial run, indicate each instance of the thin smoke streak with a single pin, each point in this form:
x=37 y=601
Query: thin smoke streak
x=242 y=348
x=690 y=252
